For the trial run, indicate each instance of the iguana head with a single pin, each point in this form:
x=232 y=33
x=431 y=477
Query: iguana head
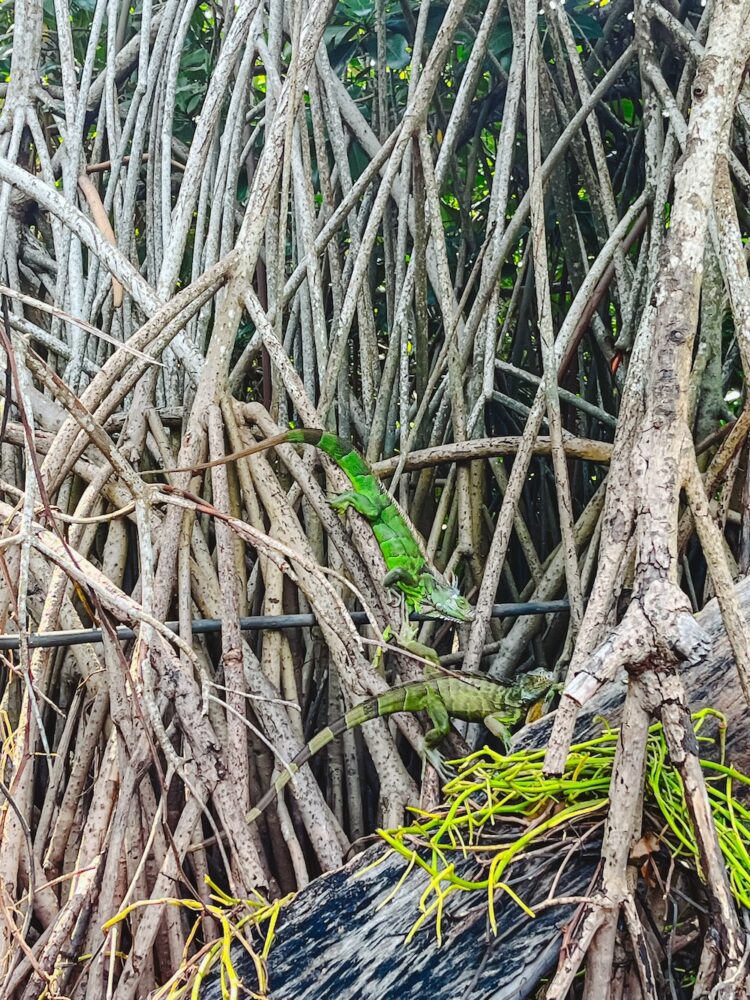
x=532 y=686
x=441 y=601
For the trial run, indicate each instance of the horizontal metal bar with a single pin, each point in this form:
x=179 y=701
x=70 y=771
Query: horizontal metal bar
x=207 y=626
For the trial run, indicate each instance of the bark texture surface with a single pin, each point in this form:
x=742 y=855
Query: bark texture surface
x=335 y=939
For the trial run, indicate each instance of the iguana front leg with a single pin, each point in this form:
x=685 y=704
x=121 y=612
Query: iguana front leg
x=529 y=699
x=500 y=725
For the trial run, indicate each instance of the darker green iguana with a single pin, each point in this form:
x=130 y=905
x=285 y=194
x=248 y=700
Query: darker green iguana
x=443 y=695
x=408 y=572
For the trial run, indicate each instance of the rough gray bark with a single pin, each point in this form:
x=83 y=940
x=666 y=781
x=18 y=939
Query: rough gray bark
x=332 y=940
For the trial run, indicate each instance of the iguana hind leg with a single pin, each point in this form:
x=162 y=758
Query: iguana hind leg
x=367 y=507
x=400 y=575
x=435 y=759
x=441 y=723
x=406 y=639
x=439 y=717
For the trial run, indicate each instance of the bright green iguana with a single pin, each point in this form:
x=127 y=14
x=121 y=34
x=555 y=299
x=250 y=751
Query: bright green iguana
x=407 y=571
x=443 y=695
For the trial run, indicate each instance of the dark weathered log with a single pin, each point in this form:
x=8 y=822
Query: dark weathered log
x=334 y=940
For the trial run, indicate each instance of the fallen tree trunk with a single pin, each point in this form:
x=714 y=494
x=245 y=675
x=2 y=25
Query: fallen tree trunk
x=336 y=940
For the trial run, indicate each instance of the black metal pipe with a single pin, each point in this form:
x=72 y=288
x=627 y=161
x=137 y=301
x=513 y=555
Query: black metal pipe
x=206 y=626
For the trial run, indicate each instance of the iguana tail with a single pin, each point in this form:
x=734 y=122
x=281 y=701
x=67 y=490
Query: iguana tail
x=356 y=716
x=341 y=451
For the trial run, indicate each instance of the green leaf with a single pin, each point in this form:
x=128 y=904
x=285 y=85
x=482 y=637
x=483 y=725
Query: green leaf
x=342 y=55
x=357 y=10
x=501 y=41
x=628 y=110
x=397 y=54
x=585 y=26
x=335 y=34
x=193 y=104
x=358 y=160
x=197 y=59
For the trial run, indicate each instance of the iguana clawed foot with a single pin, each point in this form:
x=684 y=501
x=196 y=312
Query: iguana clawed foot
x=501 y=727
x=405 y=639
x=369 y=507
x=434 y=758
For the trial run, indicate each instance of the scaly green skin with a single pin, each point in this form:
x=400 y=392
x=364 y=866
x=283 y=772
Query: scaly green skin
x=407 y=570
x=444 y=696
